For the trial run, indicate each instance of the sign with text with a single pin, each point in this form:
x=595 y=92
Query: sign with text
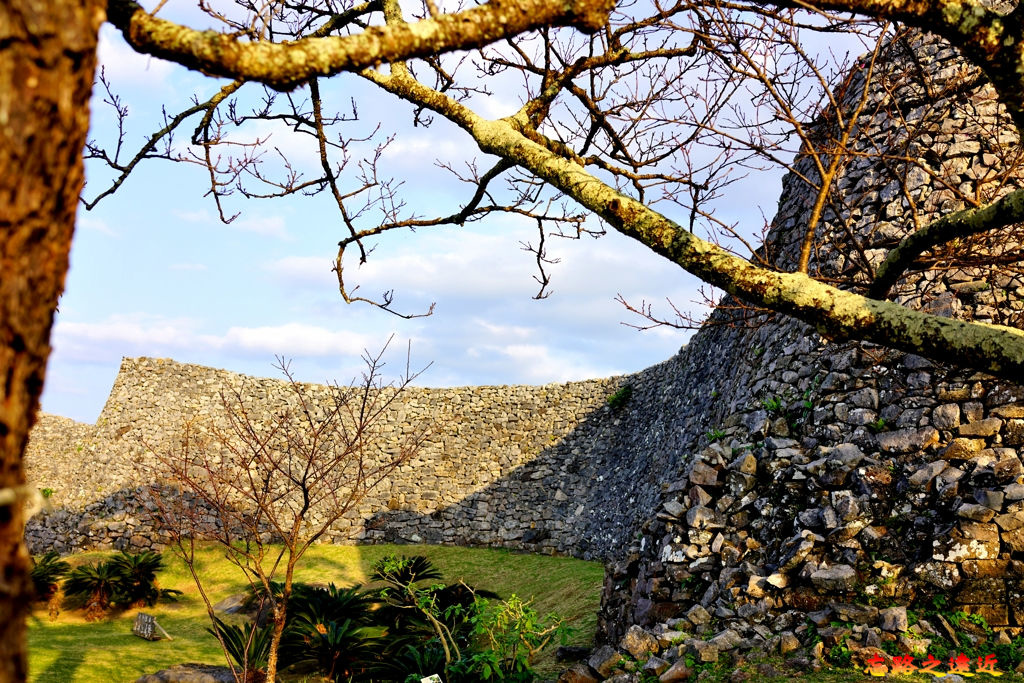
x=958 y=663
x=145 y=626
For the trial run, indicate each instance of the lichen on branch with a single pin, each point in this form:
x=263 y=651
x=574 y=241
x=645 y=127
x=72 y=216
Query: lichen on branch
x=284 y=66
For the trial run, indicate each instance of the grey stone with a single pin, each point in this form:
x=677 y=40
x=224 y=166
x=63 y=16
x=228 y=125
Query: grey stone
x=924 y=475
x=604 y=660
x=946 y=416
x=725 y=640
x=857 y=614
x=894 y=619
x=907 y=440
x=655 y=666
x=841 y=577
x=190 y=673
x=977 y=513
x=679 y=671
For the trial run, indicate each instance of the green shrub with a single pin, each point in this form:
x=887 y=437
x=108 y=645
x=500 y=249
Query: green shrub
x=404 y=571
x=46 y=574
x=124 y=580
x=138 y=584
x=247 y=645
x=714 y=435
x=620 y=397
x=326 y=629
x=507 y=637
x=95 y=585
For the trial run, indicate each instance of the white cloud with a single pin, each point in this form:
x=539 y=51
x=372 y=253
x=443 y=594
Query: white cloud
x=291 y=339
x=195 y=216
x=539 y=364
x=505 y=331
x=121 y=335
x=417 y=150
x=270 y=226
x=148 y=335
x=124 y=66
x=94 y=224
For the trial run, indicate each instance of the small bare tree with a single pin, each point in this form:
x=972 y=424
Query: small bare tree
x=266 y=489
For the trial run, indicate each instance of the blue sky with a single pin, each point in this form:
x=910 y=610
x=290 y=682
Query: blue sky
x=154 y=273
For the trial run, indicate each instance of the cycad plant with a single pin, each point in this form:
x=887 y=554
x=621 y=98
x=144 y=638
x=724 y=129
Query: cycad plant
x=96 y=585
x=327 y=630
x=47 y=571
x=126 y=579
x=247 y=645
x=138 y=584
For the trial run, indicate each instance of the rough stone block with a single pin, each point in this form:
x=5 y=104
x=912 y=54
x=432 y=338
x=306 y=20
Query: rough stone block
x=987 y=427
x=907 y=440
x=637 y=641
x=963 y=449
x=986 y=590
x=578 y=673
x=894 y=619
x=946 y=416
x=975 y=512
x=1014 y=433
x=841 y=577
x=604 y=660
x=983 y=569
x=655 y=666
x=703 y=475
x=857 y=614
x=969 y=541
x=1007 y=468
x=679 y=671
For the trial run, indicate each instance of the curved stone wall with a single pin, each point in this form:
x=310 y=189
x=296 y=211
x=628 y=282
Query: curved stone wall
x=511 y=466
x=761 y=477
x=850 y=476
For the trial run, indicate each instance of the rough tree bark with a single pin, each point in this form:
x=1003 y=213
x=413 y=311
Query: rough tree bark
x=47 y=60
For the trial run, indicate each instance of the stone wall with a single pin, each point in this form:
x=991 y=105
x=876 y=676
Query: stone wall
x=515 y=466
x=850 y=482
x=762 y=478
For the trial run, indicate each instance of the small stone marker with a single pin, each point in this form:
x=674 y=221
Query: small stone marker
x=432 y=678
x=144 y=627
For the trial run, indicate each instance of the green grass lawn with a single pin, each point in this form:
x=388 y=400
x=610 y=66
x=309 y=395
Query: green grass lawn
x=71 y=650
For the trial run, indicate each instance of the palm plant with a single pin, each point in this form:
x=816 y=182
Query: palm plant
x=47 y=572
x=338 y=650
x=404 y=571
x=96 y=585
x=247 y=645
x=404 y=661
x=138 y=583
x=326 y=629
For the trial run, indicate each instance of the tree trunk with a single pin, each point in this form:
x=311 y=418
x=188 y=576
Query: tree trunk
x=47 y=62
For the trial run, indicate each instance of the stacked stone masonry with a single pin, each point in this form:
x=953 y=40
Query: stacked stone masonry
x=761 y=479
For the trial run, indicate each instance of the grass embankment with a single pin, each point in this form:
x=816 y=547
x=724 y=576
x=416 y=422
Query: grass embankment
x=71 y=650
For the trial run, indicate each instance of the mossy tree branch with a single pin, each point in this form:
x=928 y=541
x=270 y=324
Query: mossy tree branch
x=999 y=214
x=284 y=66
x=992 y=40
x=835 y=313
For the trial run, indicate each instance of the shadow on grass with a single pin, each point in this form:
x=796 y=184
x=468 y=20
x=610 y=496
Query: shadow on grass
x=70 y=657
